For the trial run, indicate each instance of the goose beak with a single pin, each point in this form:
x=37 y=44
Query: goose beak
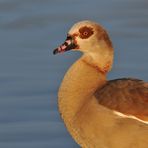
x=67 y=45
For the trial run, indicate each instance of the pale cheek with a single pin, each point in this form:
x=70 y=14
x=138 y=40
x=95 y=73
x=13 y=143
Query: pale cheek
x=85 y=46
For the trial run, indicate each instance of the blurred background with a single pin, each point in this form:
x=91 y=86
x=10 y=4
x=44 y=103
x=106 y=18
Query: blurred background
x=30 y=74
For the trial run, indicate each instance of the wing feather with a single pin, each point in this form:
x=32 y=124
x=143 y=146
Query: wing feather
x=128 y=96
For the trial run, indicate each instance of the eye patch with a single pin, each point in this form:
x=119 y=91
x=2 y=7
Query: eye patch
x=85 y=32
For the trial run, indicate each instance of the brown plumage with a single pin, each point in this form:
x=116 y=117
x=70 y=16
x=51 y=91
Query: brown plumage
x=128 y=96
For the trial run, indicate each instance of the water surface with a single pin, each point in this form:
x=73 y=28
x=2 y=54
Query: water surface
x=30 y=75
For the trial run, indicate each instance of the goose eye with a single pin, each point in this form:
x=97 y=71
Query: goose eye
x=85 y=32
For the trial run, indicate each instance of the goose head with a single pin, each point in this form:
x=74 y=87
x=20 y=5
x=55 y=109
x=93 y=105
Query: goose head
x=91 y=39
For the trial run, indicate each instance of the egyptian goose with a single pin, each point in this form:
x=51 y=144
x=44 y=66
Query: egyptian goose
x=99 y=113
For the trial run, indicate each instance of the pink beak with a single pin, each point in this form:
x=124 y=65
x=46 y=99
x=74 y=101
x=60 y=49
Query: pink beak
x=67 y=45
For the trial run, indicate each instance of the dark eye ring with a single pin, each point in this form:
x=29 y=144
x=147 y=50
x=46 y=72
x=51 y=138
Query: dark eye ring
x=85 y=32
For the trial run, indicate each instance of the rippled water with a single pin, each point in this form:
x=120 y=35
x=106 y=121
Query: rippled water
x=30 y=75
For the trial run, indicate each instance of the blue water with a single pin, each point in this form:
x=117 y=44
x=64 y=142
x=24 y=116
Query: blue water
x=30 y=75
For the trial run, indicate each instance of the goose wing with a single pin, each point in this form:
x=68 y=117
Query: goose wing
x=127 y=96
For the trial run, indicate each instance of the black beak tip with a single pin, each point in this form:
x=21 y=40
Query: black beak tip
x=55 y=51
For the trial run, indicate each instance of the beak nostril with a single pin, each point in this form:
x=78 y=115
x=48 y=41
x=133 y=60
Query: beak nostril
x=66 y=44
